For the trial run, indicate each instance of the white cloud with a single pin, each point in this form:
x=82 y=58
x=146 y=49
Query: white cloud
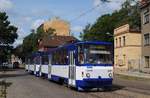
x=77 y=29
x=21 y=35
x=27 y=18
x=5 y=5
x=17 y=42
x=107 y=7
x=97 y=2
x=37 y=23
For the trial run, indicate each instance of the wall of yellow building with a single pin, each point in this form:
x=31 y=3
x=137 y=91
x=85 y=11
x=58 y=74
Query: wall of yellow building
x=129 y=56
x=61 y=27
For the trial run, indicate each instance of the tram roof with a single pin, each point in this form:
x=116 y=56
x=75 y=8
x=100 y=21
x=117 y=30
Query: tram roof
x=37 y=53
x=80 y=43
x=94 y=42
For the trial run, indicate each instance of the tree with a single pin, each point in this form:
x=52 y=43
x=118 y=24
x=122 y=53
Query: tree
x=103 y=28
x=7 y=32
x=41 y=32
x=30 y=42
x=7 y=36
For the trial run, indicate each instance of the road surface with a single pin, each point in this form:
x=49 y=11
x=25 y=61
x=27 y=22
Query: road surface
x=23 y=85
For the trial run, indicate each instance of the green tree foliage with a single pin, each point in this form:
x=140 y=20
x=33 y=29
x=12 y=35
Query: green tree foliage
x=30 y=42
x=41 y=33
x=7 y=36
x=103 y=28
x=7 y=32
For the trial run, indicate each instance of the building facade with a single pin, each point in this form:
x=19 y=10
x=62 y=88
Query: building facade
x=61 y=27
x=127 y=52
x=145 y=23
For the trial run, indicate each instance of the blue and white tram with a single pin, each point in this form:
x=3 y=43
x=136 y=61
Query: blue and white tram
x=83 y=65
x=44 y=65
x=27 y=63
x=37 y=62
x=33 y=64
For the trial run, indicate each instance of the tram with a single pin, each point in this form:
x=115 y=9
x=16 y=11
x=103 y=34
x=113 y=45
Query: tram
x=33 y=63
x=83 y=65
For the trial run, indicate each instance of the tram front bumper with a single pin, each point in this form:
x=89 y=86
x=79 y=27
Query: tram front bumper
x=94 y=82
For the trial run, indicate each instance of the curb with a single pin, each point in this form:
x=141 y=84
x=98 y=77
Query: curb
x=133 y=76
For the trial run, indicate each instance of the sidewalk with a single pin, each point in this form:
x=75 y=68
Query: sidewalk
x=136 y=74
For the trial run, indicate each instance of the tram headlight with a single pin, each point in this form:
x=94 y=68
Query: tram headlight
x=88 y=75
x=110 y=75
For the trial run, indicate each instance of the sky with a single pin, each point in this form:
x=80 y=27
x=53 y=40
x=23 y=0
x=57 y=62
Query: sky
x=29 y=14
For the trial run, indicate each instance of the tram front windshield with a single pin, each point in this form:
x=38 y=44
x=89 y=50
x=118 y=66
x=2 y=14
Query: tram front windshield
x=94 y=54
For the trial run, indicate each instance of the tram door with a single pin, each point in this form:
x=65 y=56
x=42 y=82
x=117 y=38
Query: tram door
x=49 y=67
x=72 y=69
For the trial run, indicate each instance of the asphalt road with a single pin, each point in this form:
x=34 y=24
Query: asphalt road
x=23 y=85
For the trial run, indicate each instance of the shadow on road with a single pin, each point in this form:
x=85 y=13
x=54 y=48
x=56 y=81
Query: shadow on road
x=3 y=88
x=9 y=70
x=113 y=88
x=12 y=75
x=116 y=87
x=7 y=74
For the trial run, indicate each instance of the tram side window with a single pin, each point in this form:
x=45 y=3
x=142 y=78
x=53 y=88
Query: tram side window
x=60 y=57
x=64 y=59
x=45 y=60
x=29 y=61
x=54 y=58
x=32 y=61
x=80 y=54
x=26 y=61
x=37 y=60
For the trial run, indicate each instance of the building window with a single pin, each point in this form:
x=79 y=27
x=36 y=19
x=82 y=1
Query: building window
x=124 y=40
x=119 y=41
x=116 y=60
x=147 y=62
x=124 y=59
x=146 y=16
x=146 y=39
x=116 y=42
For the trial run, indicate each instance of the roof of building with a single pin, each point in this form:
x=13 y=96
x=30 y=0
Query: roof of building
x=131 y=30
x=126 y=29
x=144 y=3
x=57 y=40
